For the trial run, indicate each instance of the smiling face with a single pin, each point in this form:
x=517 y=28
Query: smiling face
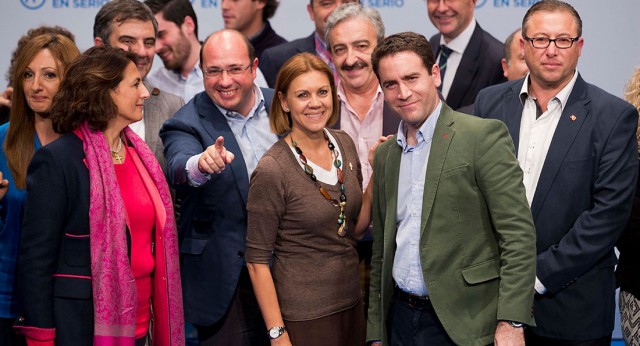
x=352 y=42
x=41 y=82
x=551 y=68
x=408 y=88
x=137 y=37
x=450 y=17
x=129 y=96
x=172 y=44
x=309 y=101
x=222 y=51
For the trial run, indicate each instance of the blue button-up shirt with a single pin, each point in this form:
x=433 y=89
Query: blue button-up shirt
x=407 y=268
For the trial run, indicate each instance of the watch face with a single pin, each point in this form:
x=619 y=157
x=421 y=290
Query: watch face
x=274 y=332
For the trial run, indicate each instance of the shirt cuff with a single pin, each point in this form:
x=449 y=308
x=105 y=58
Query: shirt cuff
x=539 y=287
x=195 y=177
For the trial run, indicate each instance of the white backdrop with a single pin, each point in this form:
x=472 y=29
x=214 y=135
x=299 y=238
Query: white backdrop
x=610 y=27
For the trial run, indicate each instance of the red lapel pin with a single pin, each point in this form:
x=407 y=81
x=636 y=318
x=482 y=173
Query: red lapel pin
x=445 y=135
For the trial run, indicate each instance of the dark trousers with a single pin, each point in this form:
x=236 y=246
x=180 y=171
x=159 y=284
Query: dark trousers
x=242 y=325
x=536 y=340
x=7 y=336
x=411 y=326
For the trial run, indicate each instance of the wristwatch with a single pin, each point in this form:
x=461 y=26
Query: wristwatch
x=275 y=332
x=516 y=324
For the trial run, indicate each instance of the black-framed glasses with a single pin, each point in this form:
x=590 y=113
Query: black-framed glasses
x=231 y=71
x=544 y=42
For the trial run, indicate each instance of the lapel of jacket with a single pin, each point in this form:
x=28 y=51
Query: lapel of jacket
x=512 y=112
x=391 y=177
x=468 y=68
x=151 y=123
x=214 y=122
x=571 y=120
x=308 y=45
x=442 y=137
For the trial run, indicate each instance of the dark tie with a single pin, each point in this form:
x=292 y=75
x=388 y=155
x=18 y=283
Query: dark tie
x=442 y=62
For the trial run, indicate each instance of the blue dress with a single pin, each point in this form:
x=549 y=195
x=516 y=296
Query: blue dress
x=11 y=211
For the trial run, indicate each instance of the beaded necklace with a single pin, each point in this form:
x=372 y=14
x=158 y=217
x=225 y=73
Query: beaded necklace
x=342 y=219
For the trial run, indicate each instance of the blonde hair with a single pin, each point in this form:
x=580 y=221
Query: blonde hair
x=632 y=95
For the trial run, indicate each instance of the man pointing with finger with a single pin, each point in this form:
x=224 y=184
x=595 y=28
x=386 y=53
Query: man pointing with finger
x=212 y=146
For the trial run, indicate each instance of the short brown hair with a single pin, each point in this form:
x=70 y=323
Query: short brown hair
x=297 y=65
x=551 y=6
x=403 y=42
x=19 y=146
x=84 y=94
x=118 y=12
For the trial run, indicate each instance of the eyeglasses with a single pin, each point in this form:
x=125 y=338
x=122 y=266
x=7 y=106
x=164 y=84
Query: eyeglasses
x=544 y=42
x=231 y=71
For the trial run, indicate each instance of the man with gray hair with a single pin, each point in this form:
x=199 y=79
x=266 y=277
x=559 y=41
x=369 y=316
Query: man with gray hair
x=352 y=32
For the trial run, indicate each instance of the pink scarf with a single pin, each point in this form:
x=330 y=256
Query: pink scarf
x=114 y=288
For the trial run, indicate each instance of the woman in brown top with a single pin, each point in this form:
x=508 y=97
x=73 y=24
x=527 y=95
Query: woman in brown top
x=305 y=213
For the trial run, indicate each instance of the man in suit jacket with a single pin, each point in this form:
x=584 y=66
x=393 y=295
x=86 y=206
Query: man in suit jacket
x=453 y=255
x=212 y=146
x=273 y=58
x=576 y=145
x=474 y=62
x=130 y=25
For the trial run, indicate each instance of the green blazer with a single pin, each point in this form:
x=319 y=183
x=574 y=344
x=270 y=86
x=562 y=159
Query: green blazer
x=478 y=247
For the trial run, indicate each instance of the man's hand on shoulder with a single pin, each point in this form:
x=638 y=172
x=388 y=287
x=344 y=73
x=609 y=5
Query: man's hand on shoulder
x=508 y=335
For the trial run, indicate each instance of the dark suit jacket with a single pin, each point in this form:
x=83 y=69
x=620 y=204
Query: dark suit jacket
x=273 y=58
x=55 y=260
x=477 y=237
x=479 y=68
x=265 y=39
x=581 y=205
x=213 y=221
x=159 y=107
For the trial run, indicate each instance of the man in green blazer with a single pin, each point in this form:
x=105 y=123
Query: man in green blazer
x=454 y=241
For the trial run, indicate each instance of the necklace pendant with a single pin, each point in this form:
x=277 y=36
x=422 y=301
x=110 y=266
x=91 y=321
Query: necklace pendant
x=116 y=156
x=342 y=230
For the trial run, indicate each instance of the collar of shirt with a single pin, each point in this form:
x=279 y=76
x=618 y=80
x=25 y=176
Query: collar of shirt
x=257 y=105
x=342 y=96
x=562 y=96
x=460 y=43
x=424 y=134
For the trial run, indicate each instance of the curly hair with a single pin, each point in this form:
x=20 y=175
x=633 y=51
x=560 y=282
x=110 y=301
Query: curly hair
x=19 y=146
x=632 y=95
x=85 y=92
